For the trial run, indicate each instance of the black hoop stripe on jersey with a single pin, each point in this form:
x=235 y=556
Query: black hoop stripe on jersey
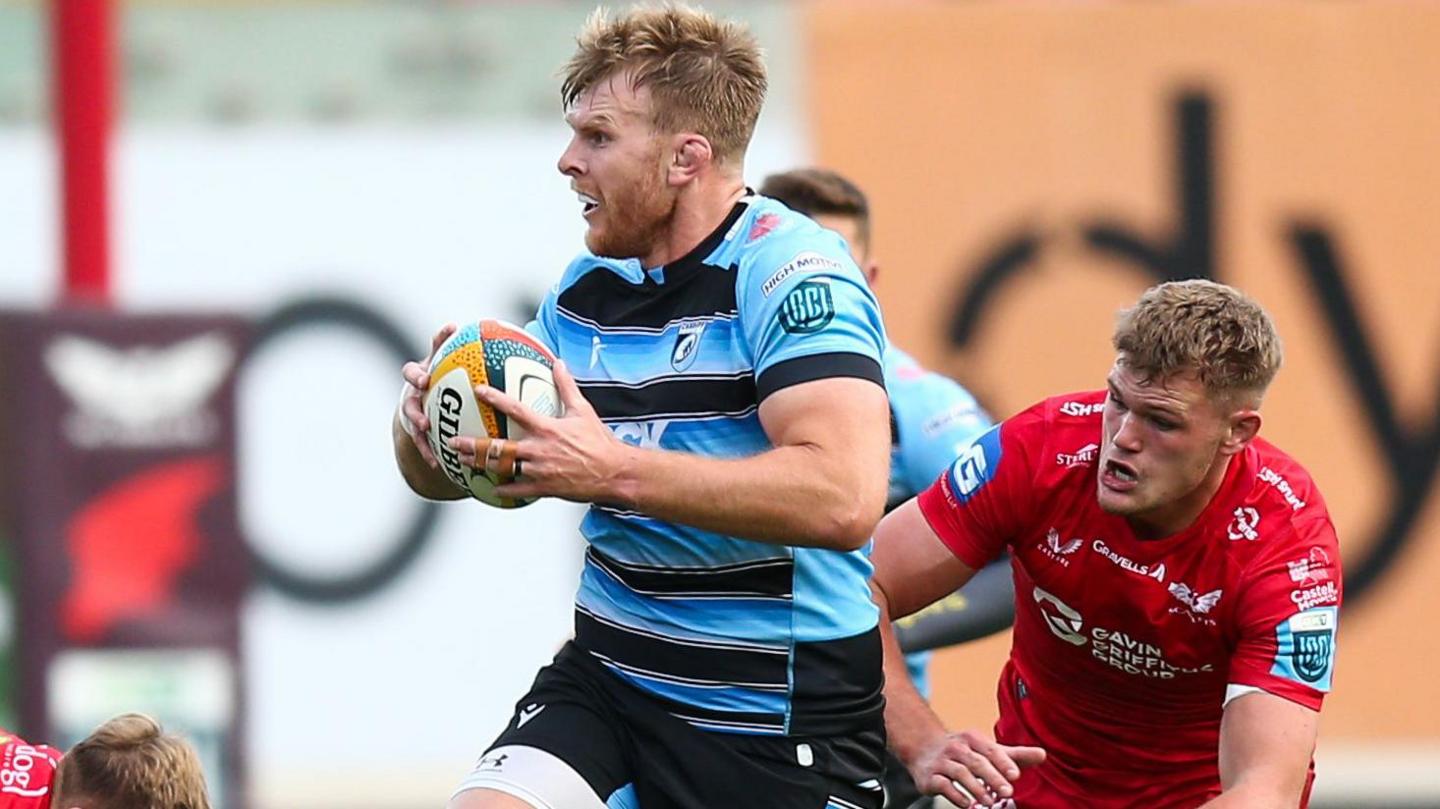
x=673 y=397
x=612 y=305
x=694 y=662
x=766 y=578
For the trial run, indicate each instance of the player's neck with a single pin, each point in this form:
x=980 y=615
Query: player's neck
x=701 y=208
x=1173 y=518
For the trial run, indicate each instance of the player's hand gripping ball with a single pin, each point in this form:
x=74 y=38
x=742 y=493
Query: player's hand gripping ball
x=495 y=353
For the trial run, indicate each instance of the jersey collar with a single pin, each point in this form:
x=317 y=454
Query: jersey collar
x=687 y=264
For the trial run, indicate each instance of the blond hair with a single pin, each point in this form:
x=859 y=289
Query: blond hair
x=705 y=74
x=1201 y=327
x=130 y=762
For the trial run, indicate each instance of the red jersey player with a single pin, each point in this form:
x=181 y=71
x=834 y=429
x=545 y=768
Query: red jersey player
x=1177 y=582
x=26 y=773
x=126 y=763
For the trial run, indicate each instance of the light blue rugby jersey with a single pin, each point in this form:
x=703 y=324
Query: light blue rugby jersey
x=931 y=419
x=733 y=635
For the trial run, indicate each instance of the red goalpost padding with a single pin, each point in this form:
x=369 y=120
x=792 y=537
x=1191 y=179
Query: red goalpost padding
x=83 y=89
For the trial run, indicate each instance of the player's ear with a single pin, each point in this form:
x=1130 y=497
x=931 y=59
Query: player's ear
x=1244 y=425
x=871 y=269
x=692 y=155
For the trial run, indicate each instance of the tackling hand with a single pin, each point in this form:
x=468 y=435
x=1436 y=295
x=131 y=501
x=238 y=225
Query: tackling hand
x=971 y=769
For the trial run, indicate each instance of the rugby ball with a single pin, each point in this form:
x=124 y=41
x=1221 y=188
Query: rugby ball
x=503 y=356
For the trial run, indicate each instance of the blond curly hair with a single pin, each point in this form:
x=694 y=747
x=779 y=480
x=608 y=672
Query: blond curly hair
x=705 y=74
x=1212 y=330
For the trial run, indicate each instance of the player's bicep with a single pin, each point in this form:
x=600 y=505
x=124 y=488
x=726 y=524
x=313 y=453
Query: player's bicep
x=913 y=568
x=1266 y=743
x=827 y=412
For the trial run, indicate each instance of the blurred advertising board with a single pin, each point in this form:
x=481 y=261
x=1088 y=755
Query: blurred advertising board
x=192 y=688
x=119 y=503
x=7 y=634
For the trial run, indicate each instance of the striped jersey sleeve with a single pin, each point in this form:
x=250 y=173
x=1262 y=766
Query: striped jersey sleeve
x=807 y=312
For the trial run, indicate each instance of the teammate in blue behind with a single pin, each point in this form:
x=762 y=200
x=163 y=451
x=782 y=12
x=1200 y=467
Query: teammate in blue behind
x=931 y=419
x=725 y=418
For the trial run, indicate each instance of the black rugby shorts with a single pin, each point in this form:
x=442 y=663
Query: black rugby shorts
x=617 y=737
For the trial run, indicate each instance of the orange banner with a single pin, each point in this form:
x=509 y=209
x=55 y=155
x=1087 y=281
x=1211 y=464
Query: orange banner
x=1033 y=166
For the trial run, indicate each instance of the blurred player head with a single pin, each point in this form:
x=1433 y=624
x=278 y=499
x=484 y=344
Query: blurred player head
x=1193 y=360
x=834 y=202
x=130 y=763
x=662 y=102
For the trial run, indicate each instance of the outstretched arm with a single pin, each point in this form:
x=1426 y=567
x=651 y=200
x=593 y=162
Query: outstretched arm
x=913 y=568
x=1265 y=747
x=984 y=606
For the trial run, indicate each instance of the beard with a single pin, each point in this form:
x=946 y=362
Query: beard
x=634 y=218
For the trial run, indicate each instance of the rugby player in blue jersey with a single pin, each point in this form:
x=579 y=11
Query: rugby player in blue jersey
x=931 y=419
x=726 y=418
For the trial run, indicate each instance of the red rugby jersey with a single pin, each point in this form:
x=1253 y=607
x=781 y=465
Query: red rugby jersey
x=1124 y=648
x=26 y=772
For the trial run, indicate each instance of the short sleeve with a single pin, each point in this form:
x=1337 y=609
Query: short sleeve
x=935 y=428
x=978 y=504
x=807 y=313
x=1288 y=617
x=543 y=327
